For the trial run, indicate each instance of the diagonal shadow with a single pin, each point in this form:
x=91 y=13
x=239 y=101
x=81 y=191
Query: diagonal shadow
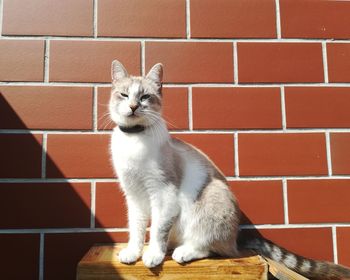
x=30 y=206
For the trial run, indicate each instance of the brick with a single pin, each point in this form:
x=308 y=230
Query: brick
x=247 y=108
x=48 y=204
x=104 y=122
x=303 y=241
x=45 y=107
x=340 y=153
x=192 y=62
x=282 y=154
x=28 y=245
x=142 y=18
x=343 y=241
x=21 y=60
x=42 y=17
x=90 y=61
x=330 y=107
x=218 y=147
x=338 y=62
x=252 y=195
x=175 y=108
x=45 y=205
x=233 y=19
x=78 y=156
x=63 y=251
x=280 y=63
x=22 y=154
x=330 y=201
x=110 y=206
x=315 y=19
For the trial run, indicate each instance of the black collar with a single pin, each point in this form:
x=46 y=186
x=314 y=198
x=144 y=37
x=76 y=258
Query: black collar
x=132 y=129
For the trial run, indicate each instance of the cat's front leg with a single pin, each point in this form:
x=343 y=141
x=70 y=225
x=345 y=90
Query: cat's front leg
x=138 y=216
x=164 y=209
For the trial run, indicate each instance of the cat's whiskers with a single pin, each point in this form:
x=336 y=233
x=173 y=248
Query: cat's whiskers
x=151 y=115
x=106 y=126
x=154 y=116
x=170 y=123
x=105 y=120
x=104 y=115
x=154 y=132
x=103 y=104
x=167 y=121
x=154 y=127
x=158 y=127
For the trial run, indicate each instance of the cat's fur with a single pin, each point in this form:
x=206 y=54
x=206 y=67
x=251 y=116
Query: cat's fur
x=177 y=187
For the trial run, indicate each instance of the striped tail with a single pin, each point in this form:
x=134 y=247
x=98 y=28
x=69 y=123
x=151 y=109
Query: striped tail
x=306 y=267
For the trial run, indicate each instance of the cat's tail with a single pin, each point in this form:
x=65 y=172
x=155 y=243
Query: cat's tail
x=306 y=267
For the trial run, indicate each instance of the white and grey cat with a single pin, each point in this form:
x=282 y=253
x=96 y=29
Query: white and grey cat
x=177 y=187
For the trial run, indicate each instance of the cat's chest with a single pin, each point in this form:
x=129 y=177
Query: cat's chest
x=133 y=154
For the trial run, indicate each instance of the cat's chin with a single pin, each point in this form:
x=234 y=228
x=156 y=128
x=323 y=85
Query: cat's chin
x=128 y=120
x=134 y=120
x=131 y=123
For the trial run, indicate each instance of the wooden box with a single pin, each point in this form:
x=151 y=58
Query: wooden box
x=101 y=262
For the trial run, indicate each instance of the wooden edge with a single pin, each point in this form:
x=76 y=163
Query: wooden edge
x=282 y=272
x=103 y=258
x=94 y=254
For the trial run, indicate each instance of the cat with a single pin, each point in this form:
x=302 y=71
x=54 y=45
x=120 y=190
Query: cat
x=178 y=187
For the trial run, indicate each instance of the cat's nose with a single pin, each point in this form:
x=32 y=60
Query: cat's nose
x=133 y=107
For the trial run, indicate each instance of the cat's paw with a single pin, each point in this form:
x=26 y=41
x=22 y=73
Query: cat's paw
x=128 y=255
x=185 y=253
x=181 y=254
x=153 y=257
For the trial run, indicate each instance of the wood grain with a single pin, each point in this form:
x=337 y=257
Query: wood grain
x=282 y=272
x=101 y=263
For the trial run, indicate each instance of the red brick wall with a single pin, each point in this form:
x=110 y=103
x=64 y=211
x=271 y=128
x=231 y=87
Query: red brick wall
x=262 y=86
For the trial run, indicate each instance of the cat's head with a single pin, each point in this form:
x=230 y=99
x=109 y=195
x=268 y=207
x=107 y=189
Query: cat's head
x=135 y=100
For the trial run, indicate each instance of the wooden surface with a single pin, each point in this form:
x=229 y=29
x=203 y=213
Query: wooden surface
x=101 y=262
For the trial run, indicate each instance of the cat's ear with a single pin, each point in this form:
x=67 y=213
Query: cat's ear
x=118 y=71
x=156 y=74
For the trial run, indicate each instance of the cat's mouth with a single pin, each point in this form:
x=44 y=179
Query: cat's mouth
x=133 y=116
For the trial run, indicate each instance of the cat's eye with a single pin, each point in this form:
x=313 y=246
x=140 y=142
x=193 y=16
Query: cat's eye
x=124 y=95
x=145 y=97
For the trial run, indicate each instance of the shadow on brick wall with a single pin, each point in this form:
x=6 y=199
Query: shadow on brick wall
x=55 y=213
